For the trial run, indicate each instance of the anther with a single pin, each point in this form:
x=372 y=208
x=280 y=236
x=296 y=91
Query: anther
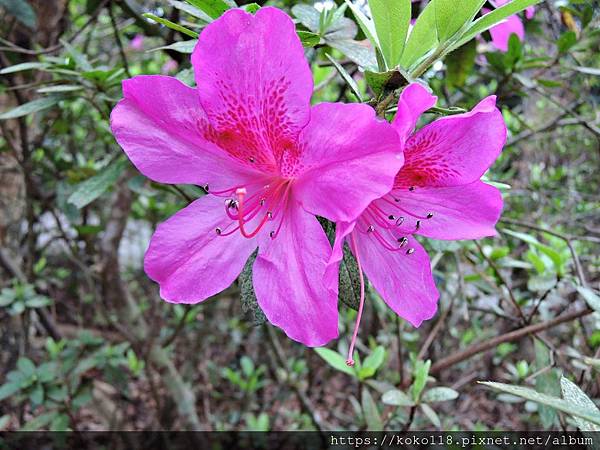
x=252 y=159
x=262 y=202
x=418 y=225
x=272 y=234
x=231 y=203
x=410 y=251
x=218 y=231
x=205 y=187
x=402 y=241
x=392 y=217
x=269 y=214
x=429 y=215
x=400 y=221
x=412 y=189
x=370 y=229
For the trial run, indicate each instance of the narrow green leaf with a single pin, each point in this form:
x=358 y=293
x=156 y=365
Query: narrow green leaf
x=8 y=389
x=60 y=88
x=214 y=8
x=346 y=76
x=395 y=397
x=174 y=26
x=420 y=379
x=487 y=21
x=191 y=10
x=309 y=39
x=375 y=359
x=92 y=188
x=181 y=46
x=554 y=402
x=422 y=39
x=23 y=66
x=30 y=107
x=366 y=25
x=335 y=360
x=4 y=421
x=372 y=416
x=576 y=397
x=431 y=415
x=439 y=394
x=566 y=40
x=39 y=421
x=451 y=16
x=392 y=19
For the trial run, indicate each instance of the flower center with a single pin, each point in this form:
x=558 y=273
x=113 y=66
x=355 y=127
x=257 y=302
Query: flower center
x=252 y=212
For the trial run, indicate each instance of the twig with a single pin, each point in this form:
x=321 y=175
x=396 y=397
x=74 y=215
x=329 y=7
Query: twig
x=118 y=39
x=475 y=349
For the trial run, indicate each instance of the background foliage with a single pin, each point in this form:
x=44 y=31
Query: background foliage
x=87 y=343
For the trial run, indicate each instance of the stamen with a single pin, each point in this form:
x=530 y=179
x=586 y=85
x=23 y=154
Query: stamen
x=392 y=217
x=205 y=187
x=412 y=189
x=252 y=159
x=400 y=221
x=241 y=193
x=403 y=241
x=350 y=360
x=429 y=215
x=418 y=225
x=218 y=231
x=410 y=251
x=370 y=229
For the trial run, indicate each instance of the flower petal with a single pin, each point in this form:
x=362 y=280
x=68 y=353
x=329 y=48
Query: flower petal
x=404 y=281
x=187 y=257
x=459 y=212
x=454 y=150
x=157 y=125
x=254 y=82
x=501 y=32
x=414 y=100
x=349 y=159
x=288 y=280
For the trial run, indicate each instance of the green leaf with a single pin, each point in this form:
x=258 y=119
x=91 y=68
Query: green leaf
x=370 y=412
x=26 y=366
x=591 y=298
x=346 y=76
x=420 y=379
x=191 y=10
x=359 y=52
x=23 y=66
x=547 y=382
x=22 y=11
x=566 y=40
x=181 y=46
x=37 y=302
x=554 y=402
x=439 y=394
x=392 y=19
x=30 y=107
x=460 y=63
x=422 y=38
x=491 y=19
x=172 y=25
x=214 y=8
x=587 y=70
x=309 y=39
x=39 y=421
x=375 y=359
x=60 y=423
x=431 y=415
x=4 y=420
x=60 y=88
x=37 y=395
x=92 y=188
x=366 y=25
x=452 y=15
x=335 y=360
x=395 y=397
x=8 y=389
x=576 y=397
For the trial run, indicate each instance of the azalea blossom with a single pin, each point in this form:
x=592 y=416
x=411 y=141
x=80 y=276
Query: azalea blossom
x=269 y=161
x=137 y=43
x=512 y=25
x=437 y=194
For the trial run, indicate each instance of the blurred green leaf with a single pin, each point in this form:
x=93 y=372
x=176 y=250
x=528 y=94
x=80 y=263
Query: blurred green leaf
x=172 y=25
x=421 y=372
x=375 y=359
x=22 y=11
x=591 y=298
x=23 y=66
x=431 y=415
x=369 y=408
x=576 y=397
x=460 y=63
x=92 y=188
x=30 y=107
x=214 y=8
x=309 y=39
x=335 y=360
x=451 y=16
x=422 y=39
x=439 y=394
x=395 y=397
x=566 y=40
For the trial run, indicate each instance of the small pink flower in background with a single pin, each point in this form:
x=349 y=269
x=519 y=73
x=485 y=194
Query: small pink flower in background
x=512 y=25
x=270 y=162
x=169 y=66
x=137 y=43
x=437 y=193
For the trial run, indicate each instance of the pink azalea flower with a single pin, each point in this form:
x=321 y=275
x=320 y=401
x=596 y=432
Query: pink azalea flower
x=512 y=25
x=271 y=162
x=137 y=43
x=437 y=193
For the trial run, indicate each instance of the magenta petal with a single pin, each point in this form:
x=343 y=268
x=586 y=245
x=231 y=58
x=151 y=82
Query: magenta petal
x=288 y=280
x=501 y=32
x=157 y=125
x=404 y=281
x=414 y=100
x=454 y=150
x=459 y=212
x=187 y=257
x=253 y=79
x=349 y=159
